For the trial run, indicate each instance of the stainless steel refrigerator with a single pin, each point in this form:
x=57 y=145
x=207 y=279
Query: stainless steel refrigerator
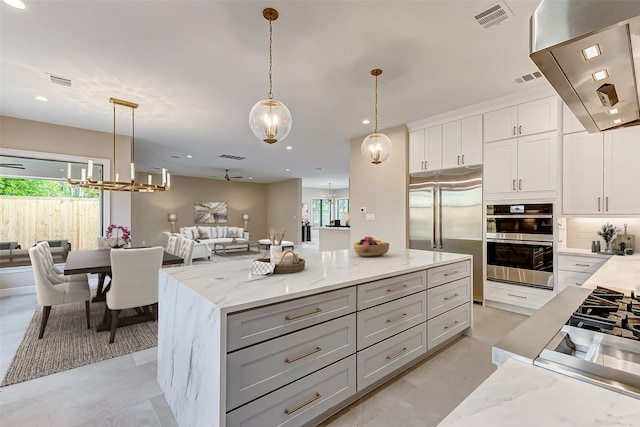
x=445 y=214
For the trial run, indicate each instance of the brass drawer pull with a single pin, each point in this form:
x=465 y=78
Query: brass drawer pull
x=458 y=159
x=463 y=159
x=395 y=319
x=520 y=129
x=450 y=274
x=582 y=265
x=314 y=398
x=598 y=204
x=514 y=185
x=452 y=325
x=519 y=184
x=302 y=356
x=514 y=131
x=517 y=296
x=397 y=289
x=393 y=356
x=450 y=297
x=579 y=284
x=297 y=316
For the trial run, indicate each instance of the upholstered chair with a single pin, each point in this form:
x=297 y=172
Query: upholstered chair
x=173 y=246
x=102 y=242
x=134 y=283
x=186 y=251
x=54 y=274
x=49 y=294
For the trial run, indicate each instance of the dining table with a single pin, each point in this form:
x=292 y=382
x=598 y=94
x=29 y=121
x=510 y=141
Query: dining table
x=98 y=261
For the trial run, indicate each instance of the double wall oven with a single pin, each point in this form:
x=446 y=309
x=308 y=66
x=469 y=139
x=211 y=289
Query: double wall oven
x=520 y=244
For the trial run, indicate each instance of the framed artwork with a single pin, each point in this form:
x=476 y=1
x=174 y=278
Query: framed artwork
x=210 y=212
x=305 y=212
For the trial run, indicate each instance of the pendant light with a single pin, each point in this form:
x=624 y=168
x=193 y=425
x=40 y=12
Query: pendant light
x=270 y=119
x=376 y=147
x=87 y=180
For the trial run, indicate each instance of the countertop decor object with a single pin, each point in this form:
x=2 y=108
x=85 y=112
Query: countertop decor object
x=608 y=233
x=285 y=264
x=371 y=250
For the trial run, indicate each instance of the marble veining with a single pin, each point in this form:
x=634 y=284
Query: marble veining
x=620 y=273
x=231 y=287
x=526 y=395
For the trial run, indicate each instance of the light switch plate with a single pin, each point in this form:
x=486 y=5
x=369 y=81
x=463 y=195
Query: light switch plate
x=371 y=217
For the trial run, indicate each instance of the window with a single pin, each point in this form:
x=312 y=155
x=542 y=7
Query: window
x=38 y=204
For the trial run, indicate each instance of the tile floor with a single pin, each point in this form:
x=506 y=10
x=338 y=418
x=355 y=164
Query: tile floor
x=123 y=391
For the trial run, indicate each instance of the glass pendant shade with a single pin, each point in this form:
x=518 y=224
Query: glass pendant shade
x=270 y=120
x=376 y=148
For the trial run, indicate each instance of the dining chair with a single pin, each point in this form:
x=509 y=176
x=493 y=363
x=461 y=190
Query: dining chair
x=49 y=294
x=54 y=274
x=102 y=242
x=173 y=245
x=134 y=284
x=186 y=251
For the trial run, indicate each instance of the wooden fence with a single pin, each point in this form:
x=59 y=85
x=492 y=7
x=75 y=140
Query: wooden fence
x=27 y=220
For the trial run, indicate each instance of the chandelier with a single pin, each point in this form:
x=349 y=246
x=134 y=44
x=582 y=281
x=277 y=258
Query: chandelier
x=270 y=119
x=376 y=147
x=87 y=180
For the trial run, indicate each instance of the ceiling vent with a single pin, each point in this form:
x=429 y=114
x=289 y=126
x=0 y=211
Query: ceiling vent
x=229 y=156
x=58 y=80
x=529 y=77
x=494 y=15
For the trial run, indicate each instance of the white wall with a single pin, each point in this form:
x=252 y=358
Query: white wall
x=382 y=189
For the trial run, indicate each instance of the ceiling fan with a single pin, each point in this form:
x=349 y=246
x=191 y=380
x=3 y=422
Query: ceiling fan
x=229 y=178
x=12 y=165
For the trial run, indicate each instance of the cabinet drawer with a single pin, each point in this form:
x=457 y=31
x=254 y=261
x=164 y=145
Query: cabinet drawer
x=444 y=298
x=383 y=358
x=382 y=291
x=521 y=296
x=301 y=401
x=448 y=273
x=254 y=326
x=578 y=263
x=256 y=370
x=382 y=321
x=446 y=325
x=571 y=278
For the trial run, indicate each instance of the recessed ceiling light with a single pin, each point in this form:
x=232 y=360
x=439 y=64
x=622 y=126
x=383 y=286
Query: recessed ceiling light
x=614 y=111
x=600 y=75
x=175 y=157
x=591 y=52
x=189 y=156
x=287 y=169
x=18 y=4
x=289 y=147
x=250 y=177
x=617 y=121
x=319 y=169
x=366 y=121
x=61 y=170
x=41 y=98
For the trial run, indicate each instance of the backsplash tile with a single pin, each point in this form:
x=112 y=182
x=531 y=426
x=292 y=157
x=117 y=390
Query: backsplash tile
x=580 y=232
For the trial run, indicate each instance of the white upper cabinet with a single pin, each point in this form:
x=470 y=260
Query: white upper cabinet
x=520 y=165
x=528 y=118
x=462 y=142
x=599 y=172
x=570 y=122
x=425 y=149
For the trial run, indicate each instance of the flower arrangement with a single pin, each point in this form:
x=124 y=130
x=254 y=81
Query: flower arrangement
x=608 y=233
x=118 y=241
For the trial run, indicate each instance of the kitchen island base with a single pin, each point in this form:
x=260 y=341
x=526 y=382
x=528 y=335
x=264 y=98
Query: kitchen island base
x=235 y=350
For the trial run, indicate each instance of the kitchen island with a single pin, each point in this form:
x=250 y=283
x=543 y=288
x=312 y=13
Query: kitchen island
x=291 y=349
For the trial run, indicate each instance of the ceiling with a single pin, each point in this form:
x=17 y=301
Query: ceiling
x=197 y=67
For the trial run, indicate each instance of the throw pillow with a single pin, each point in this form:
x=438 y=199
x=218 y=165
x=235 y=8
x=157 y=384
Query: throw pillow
x=203 y=232
x=232 y=232
x=186 y=233
x=213 y=232
x=240 y=232
x=194 y=232
x=222 y=231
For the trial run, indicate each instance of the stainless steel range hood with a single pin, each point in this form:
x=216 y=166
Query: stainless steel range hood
x=560 y=31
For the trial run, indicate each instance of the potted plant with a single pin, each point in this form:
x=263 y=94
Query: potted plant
x=608 y=233
x=117 y=241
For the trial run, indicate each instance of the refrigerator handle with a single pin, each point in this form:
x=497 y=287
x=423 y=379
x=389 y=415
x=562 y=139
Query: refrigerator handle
x=433 y=214
x=440 y=216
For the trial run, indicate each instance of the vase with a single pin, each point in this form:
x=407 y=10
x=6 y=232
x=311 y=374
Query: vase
x=607 y=247
x=273 y=250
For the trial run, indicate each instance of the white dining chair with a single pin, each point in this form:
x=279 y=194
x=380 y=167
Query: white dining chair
x=134 y=283
x=54 y=274
x=49 y=294
x=186 y=251
x=102 y=242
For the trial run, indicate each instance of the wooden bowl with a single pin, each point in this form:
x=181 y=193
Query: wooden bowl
x=371 y=250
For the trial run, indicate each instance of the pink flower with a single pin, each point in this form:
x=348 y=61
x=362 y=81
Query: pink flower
x=126 y=233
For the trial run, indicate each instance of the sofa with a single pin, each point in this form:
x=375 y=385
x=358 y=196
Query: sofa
x=11 y=255
x=206 y=238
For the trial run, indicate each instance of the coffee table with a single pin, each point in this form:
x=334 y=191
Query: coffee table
x=225 y=245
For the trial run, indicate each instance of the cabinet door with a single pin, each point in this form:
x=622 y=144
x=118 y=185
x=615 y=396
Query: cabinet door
x=471 y=144
x=416 y=151
x=537 y=162
x=538 y=116
x=621 y=160
x=500 y=124
x=500 y=160
x=451 y=141
x=582 y=179
x=433 y=148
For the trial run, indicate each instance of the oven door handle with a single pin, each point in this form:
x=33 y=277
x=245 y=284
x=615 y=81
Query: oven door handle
x=521 y=242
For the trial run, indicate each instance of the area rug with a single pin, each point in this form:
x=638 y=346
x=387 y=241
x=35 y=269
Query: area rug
x=68 y=344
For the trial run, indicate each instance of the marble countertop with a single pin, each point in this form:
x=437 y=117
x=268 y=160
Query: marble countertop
x=620 y=273
x=583 y=252
x=232 y=287
x=521 y=394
